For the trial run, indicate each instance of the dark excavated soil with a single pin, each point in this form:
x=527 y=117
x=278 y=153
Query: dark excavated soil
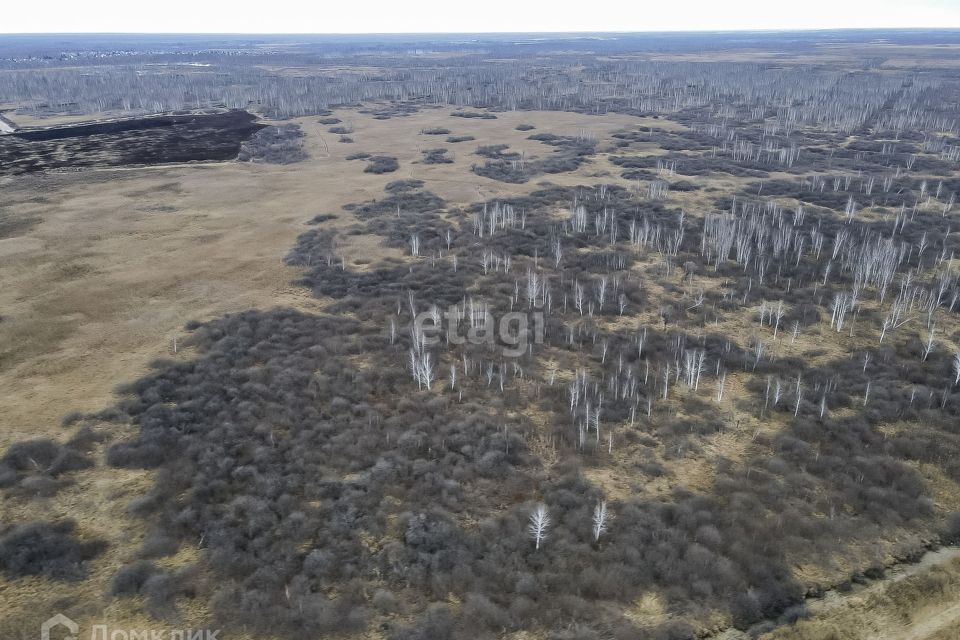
x=141 y=141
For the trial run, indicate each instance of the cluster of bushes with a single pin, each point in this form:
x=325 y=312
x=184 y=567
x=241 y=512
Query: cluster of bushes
x=283 y=488
x=508 y=166
x=436 y=156
x=899 y=195
x=274 y=145
x=158 y=587
x=39 y=467
x=638 y=134
x=503 y=170
x=483 y=115
x=497 y=152
x=561 y=164
x=455 y=139
x=678 y=140
x=435 y=131
x=280 y=524
x=905 y=388
x=403 y=195
x=381 y=164
x=396 y=108
x=575 y=145
x=418 y=214
x=688 y=165
x=373 y=292
x=404 y=186
x=851 y=159
x=48 y=549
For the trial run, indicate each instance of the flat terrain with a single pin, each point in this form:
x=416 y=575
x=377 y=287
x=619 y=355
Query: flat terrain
x=116 y=261
x=751 y=320
x=128 y=257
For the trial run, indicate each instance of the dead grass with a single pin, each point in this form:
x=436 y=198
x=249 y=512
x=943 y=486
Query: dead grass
x=922 y=605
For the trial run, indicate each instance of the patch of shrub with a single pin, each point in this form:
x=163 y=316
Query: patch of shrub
x=277 y=522
x=483 y=115
x=129 y=580
x=575 y=145
x=394 y=109
x=561 y=164
x=502 y=170
x=403 y=195
x=385 y=601
x=274 y=145
x=950 y=533
x=381 y=164
x=86 y=438
x=46 y=549
x=32 y=467
x=436 y=156
x=402 y=186
x=496 y=152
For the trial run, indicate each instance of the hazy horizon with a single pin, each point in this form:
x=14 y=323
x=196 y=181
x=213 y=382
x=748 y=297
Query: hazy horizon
x=483 y=33
x=497 y=16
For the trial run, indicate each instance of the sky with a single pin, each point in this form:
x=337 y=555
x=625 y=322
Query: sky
x=468 y=16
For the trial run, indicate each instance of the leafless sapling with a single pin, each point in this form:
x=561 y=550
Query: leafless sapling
x=539 y=524
x=599 y=520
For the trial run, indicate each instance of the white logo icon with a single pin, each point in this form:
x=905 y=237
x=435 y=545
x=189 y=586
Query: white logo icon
x=57 y=621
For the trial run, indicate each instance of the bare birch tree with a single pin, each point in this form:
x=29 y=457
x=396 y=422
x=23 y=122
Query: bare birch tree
x=539 y=524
